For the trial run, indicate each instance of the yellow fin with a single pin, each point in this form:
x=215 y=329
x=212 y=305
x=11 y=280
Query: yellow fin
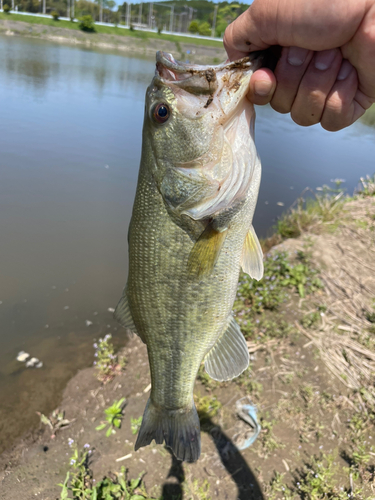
x=252 y=256
x=205 y=252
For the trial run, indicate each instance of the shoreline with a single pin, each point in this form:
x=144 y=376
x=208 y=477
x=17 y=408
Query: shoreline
x=144 y=46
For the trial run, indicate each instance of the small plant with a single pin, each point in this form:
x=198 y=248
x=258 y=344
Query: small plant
x=113 y=418
x=80 y=485
x=310 y=320
x=267 y=438
x=78 y=480
x=207 y=407
x=317 y=481
x=55 y=15
x=108 y=363
x=368 y=184
x=6 y=8
x=280 y=274
x=135 y=424
x=160 y=30
x=86 y=23
x=312 y=212
x=55 y=421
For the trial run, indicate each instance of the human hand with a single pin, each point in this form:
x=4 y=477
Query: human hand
x=326 y=72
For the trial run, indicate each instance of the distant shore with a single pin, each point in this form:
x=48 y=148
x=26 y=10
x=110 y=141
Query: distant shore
x=106 y=38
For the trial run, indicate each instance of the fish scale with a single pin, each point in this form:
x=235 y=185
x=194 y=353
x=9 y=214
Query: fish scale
x=183 y=268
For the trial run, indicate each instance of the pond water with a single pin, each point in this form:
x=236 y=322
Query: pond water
x=70 y=135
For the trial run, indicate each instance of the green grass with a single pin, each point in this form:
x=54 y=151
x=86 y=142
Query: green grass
x=144 y=35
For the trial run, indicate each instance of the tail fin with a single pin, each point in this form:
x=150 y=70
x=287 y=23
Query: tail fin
x=180 y=429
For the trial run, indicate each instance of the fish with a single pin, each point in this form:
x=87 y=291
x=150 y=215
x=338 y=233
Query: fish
x=190 y=233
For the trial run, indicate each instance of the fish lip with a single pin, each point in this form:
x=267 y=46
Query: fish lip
x=169 y=70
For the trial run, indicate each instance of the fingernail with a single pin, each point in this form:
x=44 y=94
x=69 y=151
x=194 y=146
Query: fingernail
x=345 y=70
x=262 y=88
x=324 y=59
x=296 y=56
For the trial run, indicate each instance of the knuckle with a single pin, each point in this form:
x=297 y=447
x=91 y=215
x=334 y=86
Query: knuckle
x=304 y=118
x=280 y=107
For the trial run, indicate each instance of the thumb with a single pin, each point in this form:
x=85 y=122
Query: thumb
x=242 y=36
x=262 y=87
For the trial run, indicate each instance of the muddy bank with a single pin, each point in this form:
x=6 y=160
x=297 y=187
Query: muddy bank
x=123 y=44
x=309 y=327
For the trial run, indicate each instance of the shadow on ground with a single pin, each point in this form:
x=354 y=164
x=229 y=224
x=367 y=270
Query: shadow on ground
x=247 y=485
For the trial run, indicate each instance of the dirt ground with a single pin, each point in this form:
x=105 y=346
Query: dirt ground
x=313 y=387
x=126 y=45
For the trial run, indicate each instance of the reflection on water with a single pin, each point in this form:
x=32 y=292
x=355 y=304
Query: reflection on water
x=70 y=132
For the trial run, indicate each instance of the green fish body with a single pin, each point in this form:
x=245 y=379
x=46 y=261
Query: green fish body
x=190 y=233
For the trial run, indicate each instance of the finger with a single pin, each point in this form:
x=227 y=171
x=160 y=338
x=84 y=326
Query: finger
x=316 y=84
x=289 y=71
x=343 y=105
x=262 y=87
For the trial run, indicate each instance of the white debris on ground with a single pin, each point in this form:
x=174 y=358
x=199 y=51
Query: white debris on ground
x=88 y=322
x=22 y=356
x=111 y=310
x=32 y=363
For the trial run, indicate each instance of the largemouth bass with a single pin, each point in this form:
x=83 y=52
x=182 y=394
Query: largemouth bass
x=190 y=233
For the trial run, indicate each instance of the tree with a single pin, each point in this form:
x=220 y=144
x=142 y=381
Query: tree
x=194 y=27
x=205 y=29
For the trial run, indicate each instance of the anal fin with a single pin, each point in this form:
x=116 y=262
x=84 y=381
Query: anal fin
x=252 y=256
x=229 y=357
x=123 y=315
x=205 y=252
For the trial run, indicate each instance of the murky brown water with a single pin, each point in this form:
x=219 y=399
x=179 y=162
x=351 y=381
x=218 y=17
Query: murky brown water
x=70 y=138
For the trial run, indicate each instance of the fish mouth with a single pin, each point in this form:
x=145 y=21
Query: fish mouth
x=170 y=70
x=192 y=77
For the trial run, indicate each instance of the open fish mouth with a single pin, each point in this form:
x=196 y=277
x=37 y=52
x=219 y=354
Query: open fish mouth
x=195 y=78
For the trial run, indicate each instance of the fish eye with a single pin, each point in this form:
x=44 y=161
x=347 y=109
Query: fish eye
x=161 y=112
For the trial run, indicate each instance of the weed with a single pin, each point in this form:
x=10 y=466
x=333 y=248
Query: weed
x=113 y=418
x=267 y=438
x=268 y=293
x=55 y=421
x=277 y=485
x=207 y=407
x=312 y=212
x=311 y=319
x=135 y=424
x=108 y=363
x=316 y=480
x=247 y=382
x=79 y=482
x=368 y=183
x=194 y=491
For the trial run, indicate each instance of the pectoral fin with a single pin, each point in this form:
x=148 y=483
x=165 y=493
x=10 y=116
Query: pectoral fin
x=205 y=252
x=229 y=357
x=252 y=256
x=123 y=315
